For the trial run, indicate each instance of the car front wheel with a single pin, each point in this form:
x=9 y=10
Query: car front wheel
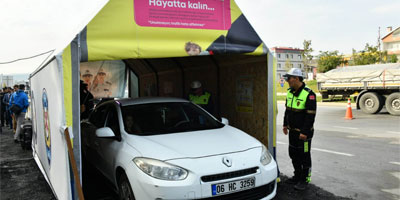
x=125 y=190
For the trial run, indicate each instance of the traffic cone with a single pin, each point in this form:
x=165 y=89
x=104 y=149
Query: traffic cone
x=349 y=113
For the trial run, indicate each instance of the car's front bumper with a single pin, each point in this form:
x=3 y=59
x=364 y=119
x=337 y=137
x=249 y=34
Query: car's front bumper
x=146 y=187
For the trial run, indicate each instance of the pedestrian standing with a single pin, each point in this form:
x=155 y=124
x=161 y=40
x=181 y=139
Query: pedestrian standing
x=2 y=109
x=86 y=100
x=20 y=100
x=12 y=97
x=301 y=107
x=2 y=106
x=6 y=102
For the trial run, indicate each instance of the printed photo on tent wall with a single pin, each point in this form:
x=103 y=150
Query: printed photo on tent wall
x=104 y=78
x=46 y=122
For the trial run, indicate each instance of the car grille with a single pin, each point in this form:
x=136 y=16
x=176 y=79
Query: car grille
x=252 y=194
x=228 y=175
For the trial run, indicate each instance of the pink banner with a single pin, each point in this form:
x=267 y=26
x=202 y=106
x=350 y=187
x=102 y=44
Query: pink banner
x=198 y=14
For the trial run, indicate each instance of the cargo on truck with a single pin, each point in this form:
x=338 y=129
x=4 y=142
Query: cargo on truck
x=372 y=86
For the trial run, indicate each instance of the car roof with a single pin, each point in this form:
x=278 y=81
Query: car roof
x=146 y=100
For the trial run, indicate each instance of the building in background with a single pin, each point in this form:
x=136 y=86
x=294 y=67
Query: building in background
x=6 y=81
x=9 y=80
x=286 y=58
x=391 y=42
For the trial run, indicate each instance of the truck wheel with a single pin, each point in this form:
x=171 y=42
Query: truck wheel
x=371 y=103
x=125 y=190
x=393 y=103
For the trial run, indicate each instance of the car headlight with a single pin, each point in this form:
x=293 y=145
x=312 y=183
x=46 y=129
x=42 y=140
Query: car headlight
x=160 y=170
x=265 y=158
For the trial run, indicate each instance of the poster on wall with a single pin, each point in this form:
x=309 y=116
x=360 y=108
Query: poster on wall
x=211 y=14
x=104 y=78
x=244 y=94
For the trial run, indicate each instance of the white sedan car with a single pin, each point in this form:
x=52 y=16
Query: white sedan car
x=168 y=148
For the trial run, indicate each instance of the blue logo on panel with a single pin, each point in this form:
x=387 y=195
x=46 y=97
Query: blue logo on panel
x=46 y=120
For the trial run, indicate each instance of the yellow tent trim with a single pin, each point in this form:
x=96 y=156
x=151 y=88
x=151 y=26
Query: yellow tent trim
x=67 y=79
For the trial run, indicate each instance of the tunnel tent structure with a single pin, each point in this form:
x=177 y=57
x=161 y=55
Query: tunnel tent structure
x=152 y=48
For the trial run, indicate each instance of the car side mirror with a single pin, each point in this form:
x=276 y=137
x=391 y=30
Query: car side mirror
x=224 y=121
x=105 y=132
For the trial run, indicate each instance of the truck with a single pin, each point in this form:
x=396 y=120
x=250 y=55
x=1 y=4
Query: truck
x=372 y=86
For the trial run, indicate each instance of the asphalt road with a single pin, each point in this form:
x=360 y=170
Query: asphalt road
x=353 y=159
x=357 y=158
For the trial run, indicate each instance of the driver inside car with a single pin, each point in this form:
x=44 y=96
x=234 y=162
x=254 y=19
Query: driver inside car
x=131 y=125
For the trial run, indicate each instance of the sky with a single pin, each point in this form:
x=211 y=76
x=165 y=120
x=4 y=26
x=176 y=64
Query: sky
x=330 y=24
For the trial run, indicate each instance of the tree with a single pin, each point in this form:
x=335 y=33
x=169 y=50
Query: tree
x=370 y=55
x=393 y=58
x=306 y=55
x=288 y=65
x=329 y=60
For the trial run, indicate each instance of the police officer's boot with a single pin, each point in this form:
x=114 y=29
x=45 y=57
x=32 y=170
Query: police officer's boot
x=303 y=182
x=295 y=179
x=301 y=185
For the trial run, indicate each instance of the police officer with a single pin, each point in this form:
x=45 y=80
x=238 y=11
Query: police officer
x=299 y=118
x=200 y=97
x=101 y=87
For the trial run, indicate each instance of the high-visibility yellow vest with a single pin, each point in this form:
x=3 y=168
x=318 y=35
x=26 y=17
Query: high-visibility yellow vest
x=200 y=100
x=297 y=103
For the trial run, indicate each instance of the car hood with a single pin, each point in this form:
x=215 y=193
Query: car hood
x=193 y=144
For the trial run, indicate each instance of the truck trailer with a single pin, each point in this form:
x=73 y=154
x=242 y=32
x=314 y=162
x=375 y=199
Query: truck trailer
x=372 y=86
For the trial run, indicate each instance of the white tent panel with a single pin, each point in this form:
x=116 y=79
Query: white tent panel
x=48 y=137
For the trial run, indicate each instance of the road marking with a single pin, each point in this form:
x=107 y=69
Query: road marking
x=345 y=127
x=324 y=150
x=353 y=136
x=334 y=152
x=393 y=132
x=395 y=163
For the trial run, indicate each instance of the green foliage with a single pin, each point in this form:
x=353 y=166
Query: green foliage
x=306 y=54
x=288 y=64
x=370 y=55
x=393 y=59
x=329 y=60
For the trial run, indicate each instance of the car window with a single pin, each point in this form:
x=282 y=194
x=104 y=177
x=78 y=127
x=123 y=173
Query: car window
x=162 y=118
x=112 y=120
x=98 y=116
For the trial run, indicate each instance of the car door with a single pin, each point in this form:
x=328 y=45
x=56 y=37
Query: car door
x=89 y=139
x=109 y=147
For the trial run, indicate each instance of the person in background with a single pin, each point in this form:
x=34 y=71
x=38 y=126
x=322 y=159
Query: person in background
x=12 y=97
x=301 y=108
x=201 y=97
x=20 y=100
x=3 y=106
x=85 y=100
x=6 y=102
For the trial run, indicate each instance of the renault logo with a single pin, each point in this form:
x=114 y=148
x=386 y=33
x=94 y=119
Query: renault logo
x=227 y=161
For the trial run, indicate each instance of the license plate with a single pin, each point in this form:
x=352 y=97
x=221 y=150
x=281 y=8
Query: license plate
x=233 y=186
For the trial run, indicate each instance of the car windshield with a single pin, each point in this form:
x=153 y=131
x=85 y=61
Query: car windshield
x=164 y=118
